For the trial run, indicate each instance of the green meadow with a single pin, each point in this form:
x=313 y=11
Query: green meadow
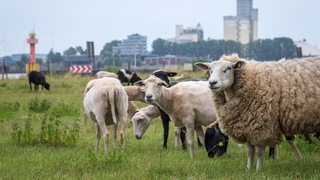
x=42 y=137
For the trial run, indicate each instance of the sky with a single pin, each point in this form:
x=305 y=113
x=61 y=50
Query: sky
x=61 y=24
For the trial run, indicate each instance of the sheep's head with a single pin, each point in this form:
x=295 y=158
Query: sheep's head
x=152 y=88
x=141 y=122
x=221 y=73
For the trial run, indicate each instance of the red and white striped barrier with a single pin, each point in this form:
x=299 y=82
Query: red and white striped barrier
x=80 y=68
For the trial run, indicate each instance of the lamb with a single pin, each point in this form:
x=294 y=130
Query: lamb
x=183 y=103
x=106 y=102
x=257 y=102
x=101 y=74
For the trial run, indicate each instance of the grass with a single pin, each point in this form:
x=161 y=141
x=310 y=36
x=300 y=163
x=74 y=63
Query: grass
x=141 y=159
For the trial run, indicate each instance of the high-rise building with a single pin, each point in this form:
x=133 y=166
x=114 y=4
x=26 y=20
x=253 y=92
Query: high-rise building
x=243 y=27
x=187 y=35
x=134 y=45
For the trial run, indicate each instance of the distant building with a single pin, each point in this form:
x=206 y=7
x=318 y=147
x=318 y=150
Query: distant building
x=134 y=45
x=166 y=60
x=187 y=35
x=242 y=28
x=17 y=57
x=307 y=49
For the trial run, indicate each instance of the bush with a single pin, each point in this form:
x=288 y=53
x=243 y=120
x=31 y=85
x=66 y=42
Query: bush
x=52 y=131
x=37 y=105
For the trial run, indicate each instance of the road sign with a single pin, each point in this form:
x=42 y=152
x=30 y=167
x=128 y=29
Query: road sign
x=80 y=68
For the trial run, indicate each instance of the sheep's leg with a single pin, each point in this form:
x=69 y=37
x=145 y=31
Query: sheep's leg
x=295 y=148
x=122 y=127
x=115 y=127
x=190 y=136
x=250 y=154
x=260 y=152
x=293 y=145
x=177 y=133
x=165 y=123
x=98 y=136
x=183 y=138
x=200 y=134
x=105 y=134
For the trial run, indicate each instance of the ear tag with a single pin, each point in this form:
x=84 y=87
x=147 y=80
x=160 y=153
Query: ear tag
x=220 y=144
x=238 y=65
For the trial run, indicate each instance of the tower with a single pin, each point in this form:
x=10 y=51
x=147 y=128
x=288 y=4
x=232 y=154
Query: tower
x=32 y=65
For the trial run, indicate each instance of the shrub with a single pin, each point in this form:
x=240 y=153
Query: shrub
x=37 y=105
x=52 y=131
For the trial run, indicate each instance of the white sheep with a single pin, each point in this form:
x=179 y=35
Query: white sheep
x=256 y=102
x=141 y=120
x=183 y=103
x=106 y=103
x=101 y=74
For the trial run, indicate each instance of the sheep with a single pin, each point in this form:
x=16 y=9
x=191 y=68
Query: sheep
x=136 y=93
x=215 y=141
x=101 y=74
x=125 y=75
x=106 y=102
x=142 y=119
x=257 y=102
x=183 y=103
x=37 y=78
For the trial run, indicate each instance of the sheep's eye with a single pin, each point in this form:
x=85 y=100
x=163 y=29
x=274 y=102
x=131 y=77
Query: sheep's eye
x=142 y=89
x=228 y=68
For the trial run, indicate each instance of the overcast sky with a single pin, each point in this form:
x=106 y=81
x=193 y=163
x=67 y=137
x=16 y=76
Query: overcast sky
x=61 y=24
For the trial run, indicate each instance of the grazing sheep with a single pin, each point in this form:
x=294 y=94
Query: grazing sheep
x=125 y=75
x=142 y=119
x=256 y=102
x=183 y=103
x=101 y=74
x=215 y=141
x=136 y=93
x=106 y=103
x=37 y=78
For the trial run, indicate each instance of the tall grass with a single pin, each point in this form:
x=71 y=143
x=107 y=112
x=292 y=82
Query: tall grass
x=141 y=159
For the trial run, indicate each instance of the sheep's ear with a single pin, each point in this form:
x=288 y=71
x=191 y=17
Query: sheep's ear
x=171 y=74
x=164 y=84
x=202 y=65
x=139 y=83
x=239 y=64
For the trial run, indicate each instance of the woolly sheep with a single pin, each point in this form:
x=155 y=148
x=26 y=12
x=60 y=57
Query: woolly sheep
x=106 y=103
x=183 y=103
x=256 y=102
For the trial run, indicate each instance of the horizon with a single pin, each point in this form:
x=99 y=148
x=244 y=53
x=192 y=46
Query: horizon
x=62 y=25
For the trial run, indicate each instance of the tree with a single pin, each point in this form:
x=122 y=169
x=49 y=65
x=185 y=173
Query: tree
x=108 y=57
x=70 y=52
x=80 y=50
x=53 y=57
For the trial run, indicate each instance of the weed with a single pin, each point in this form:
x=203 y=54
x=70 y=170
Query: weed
x=37 y=105
x=52 y=131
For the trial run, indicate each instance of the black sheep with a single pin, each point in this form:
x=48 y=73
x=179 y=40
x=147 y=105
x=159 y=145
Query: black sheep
x=38 y=78
x=215 y=141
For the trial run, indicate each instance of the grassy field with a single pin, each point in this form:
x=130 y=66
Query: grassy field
x=141 y=159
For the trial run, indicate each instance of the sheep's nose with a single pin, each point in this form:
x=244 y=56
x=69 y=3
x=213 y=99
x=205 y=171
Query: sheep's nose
x=149 y=97
x=213 y=83
x=138 y=137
